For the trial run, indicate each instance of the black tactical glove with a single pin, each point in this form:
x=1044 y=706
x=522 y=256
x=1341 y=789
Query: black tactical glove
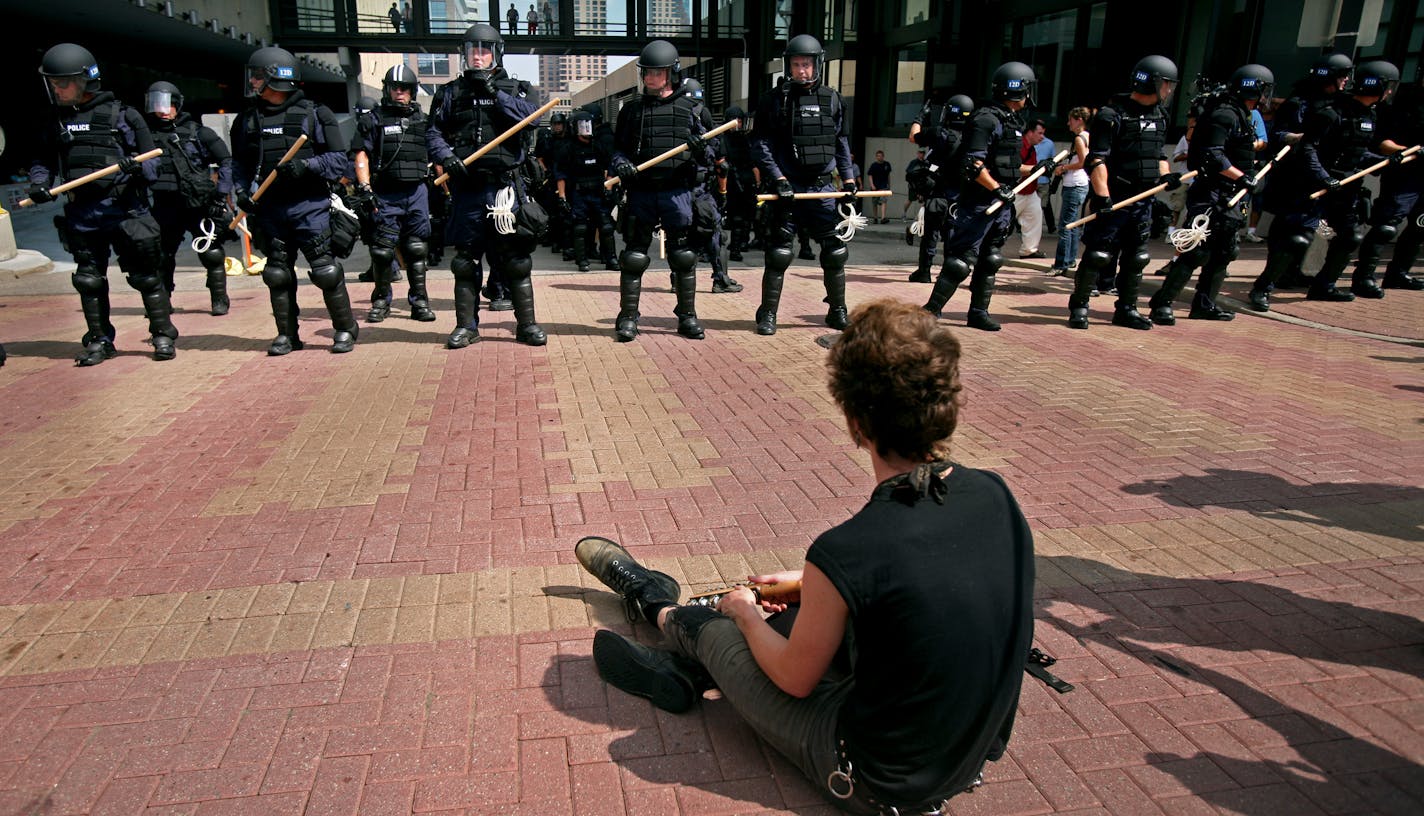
x=1099 y=203
x=130 y=165
x=625 y=170
x=849 y=188
x=455 y=169
x=696 y=144
x=784 y=190
x=1396 y=159
x=565 y=209
x=218 y=211
x=1005 y=194
x=40 y=194
x=245 y=202
x=365 y=201
x=488 y=85
x=294 y=170
x=1048 y=165
x=1332 y=184
x=1172 y=180
x=1248 y=183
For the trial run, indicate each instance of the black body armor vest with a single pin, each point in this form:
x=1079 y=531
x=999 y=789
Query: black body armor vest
x=584 y=167
x=811 y=121
x=270 y=133
x=662 y=125
x=88 y=141
x=475 y=122
x=1343 y=149
x=398 y=135
x=179 y=141
x=1005 y=154
x=1134 y=163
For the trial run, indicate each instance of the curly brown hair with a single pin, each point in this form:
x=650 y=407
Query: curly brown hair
x=895 y=375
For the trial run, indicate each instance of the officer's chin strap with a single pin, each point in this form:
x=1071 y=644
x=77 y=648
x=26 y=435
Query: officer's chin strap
x=851 y=221
x=208 y=233
x=918 y=228
x=502 y=211
x=1187 y=239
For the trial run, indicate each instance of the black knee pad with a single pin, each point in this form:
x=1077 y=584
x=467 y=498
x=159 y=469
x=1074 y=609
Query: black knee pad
x=956 y=268
x=86 y=282
x=1384 y=233
x=518 y=267
x=382 y=255
x=778 y=258
x=682 y=260
x=414 y=249
x=634 y=262
x=834 y=257
x=1097 y=259
x=145 y=282
x=1346 y=240
x=328 y=276
x=1137 y=261
x=990 y=261
x=212 y=257
x=277 y=276
x=465 y=268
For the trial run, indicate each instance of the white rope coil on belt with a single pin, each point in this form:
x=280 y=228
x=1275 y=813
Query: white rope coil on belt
x=851 y=221
x=502 y=211
x=1187 y=239
x=918 y=228
x=208 y=233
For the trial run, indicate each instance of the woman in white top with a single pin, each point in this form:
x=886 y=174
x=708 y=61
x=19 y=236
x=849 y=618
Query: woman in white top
x=1075 y=191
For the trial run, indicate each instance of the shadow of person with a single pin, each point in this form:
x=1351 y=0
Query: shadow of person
x=45 y=349
x=1332 y=504
x=700 y=758
x=1310 y=681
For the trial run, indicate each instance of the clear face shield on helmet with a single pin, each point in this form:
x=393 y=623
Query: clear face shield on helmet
x=481 y=55
x=258 y=77
x=654 y=79
x=584 y=128
x=65 y=90
x=160 y=103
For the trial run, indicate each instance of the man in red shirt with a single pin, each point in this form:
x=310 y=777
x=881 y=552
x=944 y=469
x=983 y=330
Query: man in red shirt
x=1028 y=208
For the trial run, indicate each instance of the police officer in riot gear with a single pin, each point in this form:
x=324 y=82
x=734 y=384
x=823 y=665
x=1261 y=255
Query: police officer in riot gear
x=549 y=146
x=799 y=137
x=1223 y=152
x=391 y=168
x=936 y=179
x=650 y=124
x=294 y=214
x=90 y=130
x=743 y=182
x=469 y=111
x=1339 y=138
x=991 y=166
x=578 y=176
x=1127 y=155
x=1401 y=198
x=184 y=193
x=710 y=199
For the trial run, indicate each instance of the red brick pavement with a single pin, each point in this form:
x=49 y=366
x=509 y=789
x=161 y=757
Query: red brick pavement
x=1228 y=521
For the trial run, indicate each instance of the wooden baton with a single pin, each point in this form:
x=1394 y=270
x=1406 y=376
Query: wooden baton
x=271 y=177
x=1260 y=174
x=496 y=141
x=664 y=156
x=1029 y=179
x=1127 y=202
x=1408 y=156
x=97 y=174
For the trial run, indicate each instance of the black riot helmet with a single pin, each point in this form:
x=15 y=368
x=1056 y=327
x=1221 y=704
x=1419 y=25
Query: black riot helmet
x=274 y=68
x=581 y=123
x=68 y=61
x=1375 y=78
x=481 y=36
x=161 y=96
x=1014 y=80
x=1155 y=75
x=399 y=77
x=958 y=110
x=661 y=54
x=1251 y=82
x=559 y=123
x=804 y=45
x=1330 y=67
x=691 y=87
x=736 y=112
x=365 y=105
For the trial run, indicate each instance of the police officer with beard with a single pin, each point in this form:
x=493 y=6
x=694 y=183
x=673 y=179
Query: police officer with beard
x=648 y=125
x=578 y=175
x=469 y=111
x=184 y=193
x=1339 y=138
x=743 y=181
x=90 y=130
x=1127 y=155
x=991 y=167
x=941 y=134
x=1223 y=152
x=799 y=137
x=391 y=168
x=295 y=212
x=1401 y=198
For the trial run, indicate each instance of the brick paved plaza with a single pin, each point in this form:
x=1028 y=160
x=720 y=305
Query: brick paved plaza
x=323 y=584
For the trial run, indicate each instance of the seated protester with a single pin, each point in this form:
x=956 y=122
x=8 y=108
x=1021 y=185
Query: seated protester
x=926 y=594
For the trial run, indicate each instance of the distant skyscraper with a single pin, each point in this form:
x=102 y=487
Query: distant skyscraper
x=557 y=73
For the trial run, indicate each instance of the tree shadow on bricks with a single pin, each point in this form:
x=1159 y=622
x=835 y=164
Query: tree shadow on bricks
x=1254 y=697
x=1331 y=504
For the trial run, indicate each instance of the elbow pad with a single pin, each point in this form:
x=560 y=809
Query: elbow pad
x=971 y=168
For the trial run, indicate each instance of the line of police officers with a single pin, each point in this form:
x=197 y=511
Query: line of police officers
x=797 y=144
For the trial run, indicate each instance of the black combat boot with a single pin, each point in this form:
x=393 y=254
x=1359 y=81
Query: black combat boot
x=639 y=586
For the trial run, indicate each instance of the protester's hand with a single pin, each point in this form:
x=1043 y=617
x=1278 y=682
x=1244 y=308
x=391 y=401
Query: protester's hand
x=245 y=202
x=130 y=165
x=40 y=194
x=1172 y=180
x=784 y=191
x=784 y=599
x=740 y=604
x=294 y=170
x=625 y=170
x=455 y=169
x=1005 y=194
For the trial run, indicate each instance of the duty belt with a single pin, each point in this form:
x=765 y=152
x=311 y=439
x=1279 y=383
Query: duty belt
x=841 y=784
